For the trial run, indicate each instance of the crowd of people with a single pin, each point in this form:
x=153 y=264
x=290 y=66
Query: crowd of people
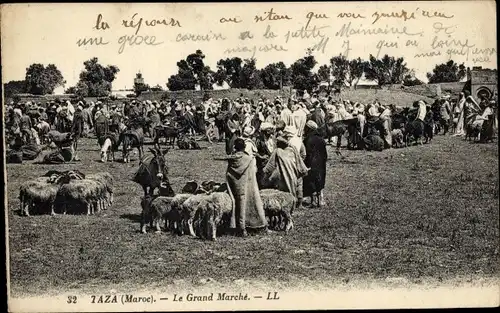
x=271 y=143
x=29 y=124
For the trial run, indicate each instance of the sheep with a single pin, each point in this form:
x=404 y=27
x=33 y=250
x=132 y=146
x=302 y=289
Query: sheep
x=213 y=211
x=154 y=209
x=174 y=218
x=188 y=211
x=86 y=191
x=278 y=204
x=107 y=180
x=397 y=138
x=37 y=191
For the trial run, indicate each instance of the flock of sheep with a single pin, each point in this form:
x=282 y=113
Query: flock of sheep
x=203 y=210
x=67 y=192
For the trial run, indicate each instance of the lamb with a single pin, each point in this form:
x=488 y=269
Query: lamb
x=213 y=211
x=174 y=218
x=91 y=193
x=154 y=210
x=188 y=211
x=107 y=180
x=278 y=204
x=397 y=138
x=37 y=191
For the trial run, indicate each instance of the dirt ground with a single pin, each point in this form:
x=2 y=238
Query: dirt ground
x=416 y=215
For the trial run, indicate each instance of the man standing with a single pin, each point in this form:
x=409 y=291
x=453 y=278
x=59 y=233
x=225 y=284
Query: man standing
x=316 y=156
x=290 y=134
x=422 y=111
x=385 y=116
x=242 y=182
x=87 y=119
x=445 y=111
x=300 y=118
x=250 y=147
x=77 y=129
x=286 y=115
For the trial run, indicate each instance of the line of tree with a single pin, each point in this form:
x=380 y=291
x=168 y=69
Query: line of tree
x=96 y=79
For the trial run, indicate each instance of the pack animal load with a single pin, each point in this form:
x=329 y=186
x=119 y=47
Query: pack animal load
x=66 y=192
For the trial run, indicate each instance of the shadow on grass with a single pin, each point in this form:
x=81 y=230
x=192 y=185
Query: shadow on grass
x=132 y=217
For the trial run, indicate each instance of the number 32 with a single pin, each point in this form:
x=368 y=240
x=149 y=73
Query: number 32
x=71 y=299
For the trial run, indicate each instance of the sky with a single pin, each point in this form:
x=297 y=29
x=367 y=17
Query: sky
x=48 y=33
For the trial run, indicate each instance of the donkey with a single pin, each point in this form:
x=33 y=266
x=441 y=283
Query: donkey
x=133 y=138
x=339 y=128
x=152 y=171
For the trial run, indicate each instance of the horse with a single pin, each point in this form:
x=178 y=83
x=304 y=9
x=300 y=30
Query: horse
x=152 y=172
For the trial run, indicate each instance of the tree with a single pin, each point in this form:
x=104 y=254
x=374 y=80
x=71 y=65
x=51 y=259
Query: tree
x=302 y=76
x=411 y=80
x=275 y=75
x=324 y=73
x=250 y=76
x=14 y=87
x=356 y=68
x=339 y=68
x=157 y=88
x=447 y=73
x=387 y=70
x=96 y=80
x=191 y=72
x=41 y=80
x=229 y=70
x=71 y=90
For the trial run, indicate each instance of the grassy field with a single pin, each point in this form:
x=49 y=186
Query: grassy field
x=413 y=215
x=398 y=97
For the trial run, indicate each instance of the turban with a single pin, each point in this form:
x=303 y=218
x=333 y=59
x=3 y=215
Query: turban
x=248 y=131
x=312 y=124
x=266 y=125
x=290 y=130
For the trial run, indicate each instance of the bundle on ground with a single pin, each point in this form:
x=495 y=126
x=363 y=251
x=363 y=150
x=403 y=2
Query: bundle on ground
x=278 y=204
x=37 y=193
x=76 y=193
x=106 y=179
x=190 y=187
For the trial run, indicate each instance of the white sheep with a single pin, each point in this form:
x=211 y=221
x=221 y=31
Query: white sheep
x=174 y=218
x=278 y=204
x=188 y=212
x=91 y=193
x=37 y=191
x=213 y=210
x=107 y=180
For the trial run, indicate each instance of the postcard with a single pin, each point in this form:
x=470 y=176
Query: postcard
x=250 y=156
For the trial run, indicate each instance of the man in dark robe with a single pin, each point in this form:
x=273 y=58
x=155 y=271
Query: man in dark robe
x=266 y=145
x=316 y=156
x=77 y=129
x=319 y=117
x=232 y=132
